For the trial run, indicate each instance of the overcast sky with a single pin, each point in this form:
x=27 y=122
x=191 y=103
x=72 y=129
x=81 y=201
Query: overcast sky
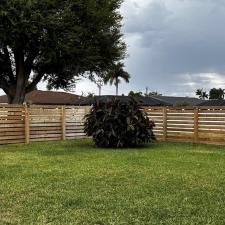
x=174 y=47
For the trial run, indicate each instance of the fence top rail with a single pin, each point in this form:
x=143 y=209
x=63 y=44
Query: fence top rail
x=56 y=106
x=184 y=108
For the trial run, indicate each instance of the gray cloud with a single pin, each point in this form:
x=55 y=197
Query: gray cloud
x=172 y=41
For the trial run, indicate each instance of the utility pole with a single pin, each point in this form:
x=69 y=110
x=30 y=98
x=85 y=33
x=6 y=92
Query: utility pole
x=99 y=83
x=99 y=90
x=146 y=93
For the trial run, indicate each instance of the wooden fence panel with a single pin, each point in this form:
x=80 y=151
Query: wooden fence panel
x=212 y=125
x=199 y=125
x=156 y=115
x=12 y=122
x=48 y=118
x=74 y=120
x=25 y=124
x=180 y=124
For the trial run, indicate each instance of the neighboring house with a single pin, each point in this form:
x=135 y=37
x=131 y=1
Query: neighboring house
x=143 y=101
x=213 y=102
x=176 y=101
x=47 y=98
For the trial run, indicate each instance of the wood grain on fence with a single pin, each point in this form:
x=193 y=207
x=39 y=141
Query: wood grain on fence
x=199 y=125
x=25 y=124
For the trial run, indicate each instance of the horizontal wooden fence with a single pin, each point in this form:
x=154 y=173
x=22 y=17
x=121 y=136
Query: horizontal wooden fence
x=199 y=125
x=24 y=124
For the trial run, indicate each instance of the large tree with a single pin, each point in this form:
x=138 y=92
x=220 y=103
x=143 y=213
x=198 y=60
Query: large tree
x=56 y=41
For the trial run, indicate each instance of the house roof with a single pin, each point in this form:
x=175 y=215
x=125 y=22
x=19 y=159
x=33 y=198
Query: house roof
x=213 y=102
x=47 y=98
x=143 y=101
x=149 y=101
x=177 y=100
x=3 y=99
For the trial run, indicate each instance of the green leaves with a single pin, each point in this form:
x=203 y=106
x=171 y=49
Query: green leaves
x=61 y=39
x=116 y=123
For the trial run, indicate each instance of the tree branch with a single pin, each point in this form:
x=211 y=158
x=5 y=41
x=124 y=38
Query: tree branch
x=29 y=62
x=9 y=64
x=34 y=83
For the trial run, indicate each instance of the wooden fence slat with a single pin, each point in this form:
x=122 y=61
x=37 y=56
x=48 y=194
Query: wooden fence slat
x=63 y=118
x=196 y=119
x=164 y=123
x=27 y=125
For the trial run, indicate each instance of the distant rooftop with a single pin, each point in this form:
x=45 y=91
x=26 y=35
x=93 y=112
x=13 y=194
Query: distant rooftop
x=143 y=101
x=47 y=98
x=213 y=102
x=178 y=100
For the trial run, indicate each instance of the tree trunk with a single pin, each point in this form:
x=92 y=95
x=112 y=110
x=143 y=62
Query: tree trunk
x=10 y=99
x=17 y=93
x=117 y=89
x=99 y=90
x=18 y=98
x=16 y=86
x=15 y=100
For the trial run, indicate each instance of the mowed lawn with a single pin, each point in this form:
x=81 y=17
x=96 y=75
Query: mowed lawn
x=73 y=182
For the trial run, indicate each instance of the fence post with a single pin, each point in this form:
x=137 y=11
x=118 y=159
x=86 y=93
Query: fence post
x=164 y=123
x=26 y=124
x=196 y=114
x=63 y=119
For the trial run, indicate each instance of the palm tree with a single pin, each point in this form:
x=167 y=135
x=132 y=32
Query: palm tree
x=114 y=75
x=202 y=94
x=205 y=95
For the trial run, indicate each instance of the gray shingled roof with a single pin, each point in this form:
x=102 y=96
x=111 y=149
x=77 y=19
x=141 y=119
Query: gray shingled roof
x=143 y=101
x=213 y=102
x=177 y=100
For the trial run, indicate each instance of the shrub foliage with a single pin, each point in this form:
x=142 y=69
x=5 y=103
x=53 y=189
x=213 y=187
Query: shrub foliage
x=117 y=123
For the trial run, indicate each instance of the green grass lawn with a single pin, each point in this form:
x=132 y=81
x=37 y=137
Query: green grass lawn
x=73 y=182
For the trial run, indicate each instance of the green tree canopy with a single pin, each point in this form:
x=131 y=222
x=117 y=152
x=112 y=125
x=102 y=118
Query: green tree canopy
x=135 y=94
x=153 y=93
x=215 y=93
x=56 y=41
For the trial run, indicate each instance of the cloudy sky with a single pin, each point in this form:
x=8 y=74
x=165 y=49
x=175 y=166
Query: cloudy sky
x=174 y=47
